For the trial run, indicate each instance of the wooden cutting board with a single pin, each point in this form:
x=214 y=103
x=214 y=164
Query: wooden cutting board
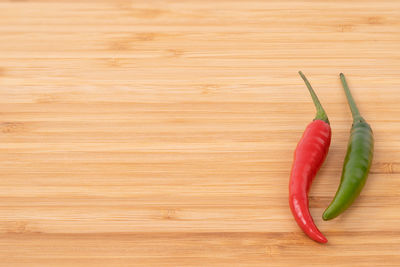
x=161 y=133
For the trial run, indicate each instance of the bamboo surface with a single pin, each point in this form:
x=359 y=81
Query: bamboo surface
x=161 y=133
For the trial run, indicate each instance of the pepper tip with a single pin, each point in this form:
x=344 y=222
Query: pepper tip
x=325 y=217
x=321 y=239
x=324 y=240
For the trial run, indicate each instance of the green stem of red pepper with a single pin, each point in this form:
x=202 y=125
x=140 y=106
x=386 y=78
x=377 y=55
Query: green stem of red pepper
x=321 y=114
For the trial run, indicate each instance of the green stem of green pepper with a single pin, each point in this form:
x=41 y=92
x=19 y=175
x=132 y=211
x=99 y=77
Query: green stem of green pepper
x=321 y=114
x=357 y=162
x=353 y=107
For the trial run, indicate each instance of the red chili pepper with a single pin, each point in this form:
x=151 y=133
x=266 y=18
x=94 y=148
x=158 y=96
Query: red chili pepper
x=309 y=155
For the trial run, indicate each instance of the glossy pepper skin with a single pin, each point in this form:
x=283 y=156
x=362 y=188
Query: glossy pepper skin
x=357 y=161
x=309 y=155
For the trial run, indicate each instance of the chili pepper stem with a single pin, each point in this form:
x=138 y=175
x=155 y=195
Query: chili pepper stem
x=321 y=114
x=353 y=107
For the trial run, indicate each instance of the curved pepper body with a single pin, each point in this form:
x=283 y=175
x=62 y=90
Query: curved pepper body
x=355 y=169
x=356 y=163
x=309 y=155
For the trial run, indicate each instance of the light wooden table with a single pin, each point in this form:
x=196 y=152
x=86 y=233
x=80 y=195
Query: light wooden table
x=161 y=133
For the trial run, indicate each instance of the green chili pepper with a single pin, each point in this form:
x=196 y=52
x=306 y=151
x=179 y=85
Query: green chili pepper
x=357 y=162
